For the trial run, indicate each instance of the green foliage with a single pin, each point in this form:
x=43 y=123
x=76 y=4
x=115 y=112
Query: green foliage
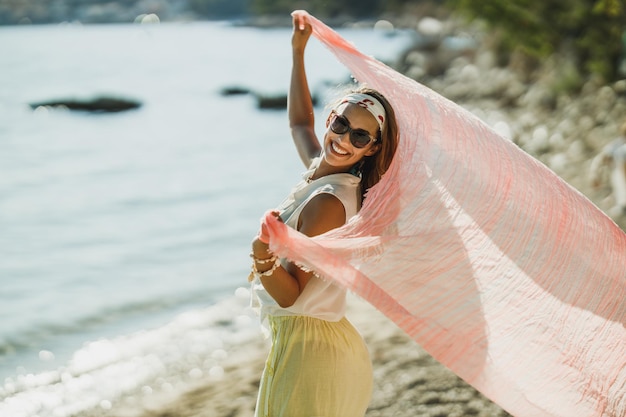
x=591 y=28
x=218 y=9
x=321 y=8
x=273 y=7
x=569 y=79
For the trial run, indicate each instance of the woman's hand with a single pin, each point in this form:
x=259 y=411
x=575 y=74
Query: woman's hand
x=301 y=30
x=260 y=249
x=260 y=244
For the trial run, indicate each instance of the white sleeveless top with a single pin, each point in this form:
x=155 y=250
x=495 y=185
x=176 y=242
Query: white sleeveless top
x=319 y=299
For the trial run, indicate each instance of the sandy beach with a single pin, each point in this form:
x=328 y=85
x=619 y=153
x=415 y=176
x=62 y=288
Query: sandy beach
x=407 y=381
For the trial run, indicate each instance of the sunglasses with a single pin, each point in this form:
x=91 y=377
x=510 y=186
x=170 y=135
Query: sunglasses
x=359 y=138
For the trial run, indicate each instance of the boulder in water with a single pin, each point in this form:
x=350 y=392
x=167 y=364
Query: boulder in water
x=234 y=90
x=266 y=101
x=96 y=105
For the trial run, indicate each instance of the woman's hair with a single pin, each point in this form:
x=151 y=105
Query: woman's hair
x=373 y=167
x=376 y=165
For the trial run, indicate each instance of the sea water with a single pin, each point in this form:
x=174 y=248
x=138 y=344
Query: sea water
x=124 y=237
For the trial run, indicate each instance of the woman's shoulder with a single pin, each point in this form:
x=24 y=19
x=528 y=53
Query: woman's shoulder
x=341 y=191
x=322 y=213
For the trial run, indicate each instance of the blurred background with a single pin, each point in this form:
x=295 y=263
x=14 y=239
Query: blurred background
x=142 y=140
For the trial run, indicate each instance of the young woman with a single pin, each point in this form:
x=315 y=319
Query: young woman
x=318 y=364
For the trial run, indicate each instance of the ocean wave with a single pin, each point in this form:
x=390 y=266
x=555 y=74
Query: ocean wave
x=190 y=346
x=40 y=333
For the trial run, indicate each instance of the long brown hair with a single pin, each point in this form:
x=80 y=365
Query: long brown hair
x=376 y=165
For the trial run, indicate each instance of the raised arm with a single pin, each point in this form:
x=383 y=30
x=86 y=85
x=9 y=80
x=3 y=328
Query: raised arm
x=300 y=104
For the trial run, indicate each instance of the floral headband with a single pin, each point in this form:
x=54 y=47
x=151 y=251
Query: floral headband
x=369 y=103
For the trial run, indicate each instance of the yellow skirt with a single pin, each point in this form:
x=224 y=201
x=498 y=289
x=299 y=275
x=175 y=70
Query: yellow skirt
x=315 y=368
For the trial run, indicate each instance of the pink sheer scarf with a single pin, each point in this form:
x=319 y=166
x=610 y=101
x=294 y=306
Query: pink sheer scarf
x=493 y=264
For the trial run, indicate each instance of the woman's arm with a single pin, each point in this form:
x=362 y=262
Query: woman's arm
x=299 y=103
x=323 y=213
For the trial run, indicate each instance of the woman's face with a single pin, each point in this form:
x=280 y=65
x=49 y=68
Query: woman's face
x=339 y=152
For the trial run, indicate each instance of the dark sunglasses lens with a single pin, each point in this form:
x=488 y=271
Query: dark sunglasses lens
x=339 y=125
x=359 y=140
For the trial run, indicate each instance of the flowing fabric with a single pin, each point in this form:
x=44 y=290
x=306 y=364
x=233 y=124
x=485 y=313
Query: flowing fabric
x=499 y=269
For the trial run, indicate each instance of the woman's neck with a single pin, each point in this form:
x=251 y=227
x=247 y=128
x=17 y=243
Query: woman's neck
x=324 y=169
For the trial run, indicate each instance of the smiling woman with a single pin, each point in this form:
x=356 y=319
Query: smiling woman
x=359 y=138
x=384 y=141
x=318 y=363
x=498 y=268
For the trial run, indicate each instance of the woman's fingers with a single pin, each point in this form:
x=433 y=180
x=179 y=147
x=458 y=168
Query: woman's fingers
x=264 y=235
x=301 y=21
x=276 y=214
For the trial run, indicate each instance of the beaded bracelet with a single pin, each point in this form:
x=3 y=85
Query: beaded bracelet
x=263 y=261
x=255 y=272
x=270 y=271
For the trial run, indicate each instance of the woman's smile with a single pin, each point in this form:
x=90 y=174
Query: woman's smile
x=337 y=149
